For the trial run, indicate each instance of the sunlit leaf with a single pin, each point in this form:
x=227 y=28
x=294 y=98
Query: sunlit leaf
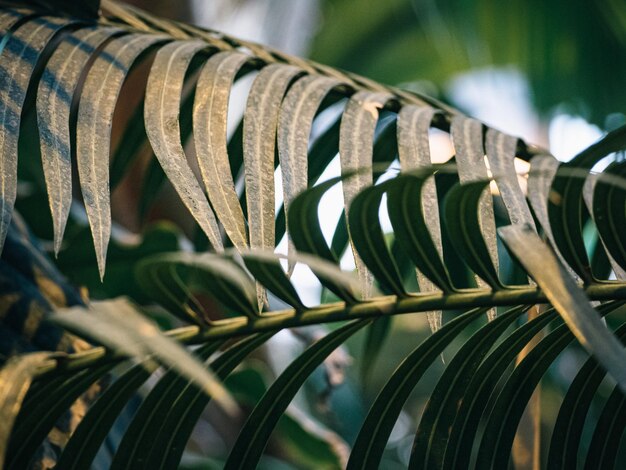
x=358 y=125
x=500 y=151
x=294 y=127
x=413 y=153
x=93 y=133
x=260 y=128
x=20 y=53
x=467 y=135
x=15 y=379
x=162 y=109
x=118 y=325
x=210 y=112
x=54 y=100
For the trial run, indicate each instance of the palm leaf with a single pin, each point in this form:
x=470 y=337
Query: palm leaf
x=432 y=223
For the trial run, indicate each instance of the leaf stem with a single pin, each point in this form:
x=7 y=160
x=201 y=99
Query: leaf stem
x=376 y=307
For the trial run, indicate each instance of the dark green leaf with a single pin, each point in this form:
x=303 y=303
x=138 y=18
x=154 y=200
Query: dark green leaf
x=256 y=432
x=608 y=214
x=565 y=204
x=434 y=427
x=369 y=241
x=302 y=440
x=139 y=436
x=86 y=440
x=177 y=274
x=306 y=232
x=180 y=420
x=570 y=422
x=497 y=440
x=477 y=394
x=370 y=443
x=411 y=229
x=268 y=271
x=462 y=206
x=604 y=443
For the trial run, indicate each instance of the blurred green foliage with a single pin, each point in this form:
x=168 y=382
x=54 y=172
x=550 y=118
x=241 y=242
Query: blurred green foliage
x=571 y=51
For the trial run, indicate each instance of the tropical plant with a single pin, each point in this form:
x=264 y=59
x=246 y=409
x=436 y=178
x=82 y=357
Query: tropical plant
x=519 y=277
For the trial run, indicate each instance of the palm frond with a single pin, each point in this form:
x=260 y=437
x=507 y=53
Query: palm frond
x=447 y=227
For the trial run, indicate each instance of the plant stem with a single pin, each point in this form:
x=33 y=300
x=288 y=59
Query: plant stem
x=380 y=306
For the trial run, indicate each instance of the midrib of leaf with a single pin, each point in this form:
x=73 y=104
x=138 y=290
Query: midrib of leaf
x=121 y=11
x=340 y=311
x=169 y=27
